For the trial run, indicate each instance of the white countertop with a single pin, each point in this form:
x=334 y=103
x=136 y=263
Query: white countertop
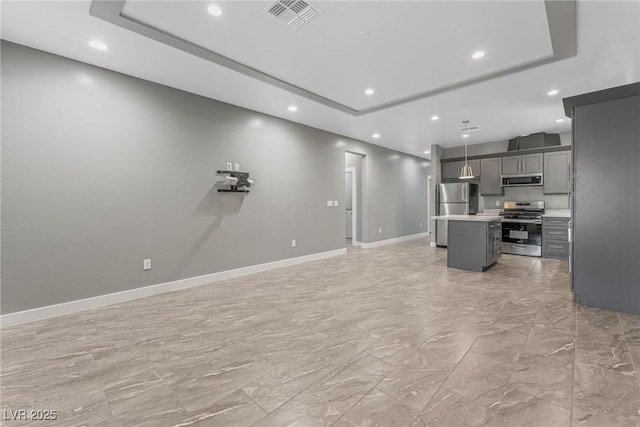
x=557 y=213
x=479 y=218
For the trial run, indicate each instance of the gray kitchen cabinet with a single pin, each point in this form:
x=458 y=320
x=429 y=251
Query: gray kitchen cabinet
x=474 y=245
x=452 y=170
x=511 y=165
x=490 y=176
x=555 y=238
x=524 y=163
x=532 y=163
x=557 y=172
x=475 y=167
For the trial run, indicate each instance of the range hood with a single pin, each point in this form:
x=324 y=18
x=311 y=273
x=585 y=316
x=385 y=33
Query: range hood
x=534 y=140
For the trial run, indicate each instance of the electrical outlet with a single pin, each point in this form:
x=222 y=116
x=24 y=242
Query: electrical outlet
x=420 y=225
x=229 y=166
x=329 y=203
x=146 y=264
x=237 y=167
x=293 y=243
x=379 y=230
x=498 y=203
x=335 y=203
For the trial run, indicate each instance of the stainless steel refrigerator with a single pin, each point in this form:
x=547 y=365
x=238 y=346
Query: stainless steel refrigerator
x=456 y=198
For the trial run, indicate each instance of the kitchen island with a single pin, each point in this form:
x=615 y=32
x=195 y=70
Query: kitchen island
x=474 y=241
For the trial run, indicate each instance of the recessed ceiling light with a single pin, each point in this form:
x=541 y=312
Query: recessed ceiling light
x=553 y=92
x=292 y=108
x=434 y=118
x=363 y=35
x=427 y=152
x=369 y=91
x=96 y=44
x=466 y=135
x=559 y=120
x=214 y=10
x=477 y=55
x=376 y=135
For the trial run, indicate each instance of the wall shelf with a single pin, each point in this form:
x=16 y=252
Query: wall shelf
x=241 y=181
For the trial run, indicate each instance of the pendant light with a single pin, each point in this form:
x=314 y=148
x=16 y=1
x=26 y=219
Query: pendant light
x=466 y=172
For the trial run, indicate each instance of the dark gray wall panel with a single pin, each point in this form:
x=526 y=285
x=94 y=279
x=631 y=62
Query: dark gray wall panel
x=607 y=204
x=101 y=170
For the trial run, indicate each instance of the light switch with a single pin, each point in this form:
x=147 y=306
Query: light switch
x=329 y=203
x=237 y=167
x=229 y=166
x=335 y=203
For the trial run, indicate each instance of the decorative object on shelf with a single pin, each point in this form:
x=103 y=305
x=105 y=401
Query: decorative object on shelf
x=238 y=182
x=466 y=172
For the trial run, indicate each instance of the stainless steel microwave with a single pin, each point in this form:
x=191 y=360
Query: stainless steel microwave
x=521 y=180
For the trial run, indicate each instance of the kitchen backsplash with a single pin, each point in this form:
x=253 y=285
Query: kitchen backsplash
x=552 y=201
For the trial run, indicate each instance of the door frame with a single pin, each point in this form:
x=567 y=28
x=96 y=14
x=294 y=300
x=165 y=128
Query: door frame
x=428 y=204
x=354 y=201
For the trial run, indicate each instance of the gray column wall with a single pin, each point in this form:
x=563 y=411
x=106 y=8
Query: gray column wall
x=606 y=221
x=102 y=170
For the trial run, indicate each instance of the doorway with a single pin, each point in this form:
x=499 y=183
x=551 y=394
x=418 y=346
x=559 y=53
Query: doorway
x=354 y=198
x=350 y=205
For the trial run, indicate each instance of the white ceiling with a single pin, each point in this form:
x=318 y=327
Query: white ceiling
x=415 y=47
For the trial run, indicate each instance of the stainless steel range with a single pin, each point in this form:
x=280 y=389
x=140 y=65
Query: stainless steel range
x=522 y=228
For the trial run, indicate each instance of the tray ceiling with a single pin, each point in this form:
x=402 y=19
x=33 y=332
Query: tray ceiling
x=414 y=48
x=594 y=45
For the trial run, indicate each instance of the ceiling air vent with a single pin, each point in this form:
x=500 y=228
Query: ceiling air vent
x=470 y=129
x=295 y=13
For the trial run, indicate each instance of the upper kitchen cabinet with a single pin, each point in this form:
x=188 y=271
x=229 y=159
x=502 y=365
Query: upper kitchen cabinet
x=511 y=165
x=490 y=177
x=524 y=163
x=557 y=172
x=452 y=170
x=532 y=163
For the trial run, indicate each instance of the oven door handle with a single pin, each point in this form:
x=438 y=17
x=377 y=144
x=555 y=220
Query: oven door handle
x=523 y=221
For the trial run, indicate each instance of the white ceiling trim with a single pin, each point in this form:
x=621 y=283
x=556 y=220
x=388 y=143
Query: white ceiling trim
x=561 y=17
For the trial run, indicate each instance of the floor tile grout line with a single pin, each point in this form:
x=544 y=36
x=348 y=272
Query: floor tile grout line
x=359 y=354
x=636 y=369
x=504 y=393
x=445 y=380
x=367 y=393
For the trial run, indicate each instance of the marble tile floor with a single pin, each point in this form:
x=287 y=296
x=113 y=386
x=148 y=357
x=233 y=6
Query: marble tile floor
x=380 y=337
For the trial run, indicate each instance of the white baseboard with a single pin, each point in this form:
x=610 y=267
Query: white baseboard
x=394 y=240
x=41 y=313
x=433 y=244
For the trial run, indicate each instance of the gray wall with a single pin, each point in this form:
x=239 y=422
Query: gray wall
x=101 y=170
x=606 y=218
